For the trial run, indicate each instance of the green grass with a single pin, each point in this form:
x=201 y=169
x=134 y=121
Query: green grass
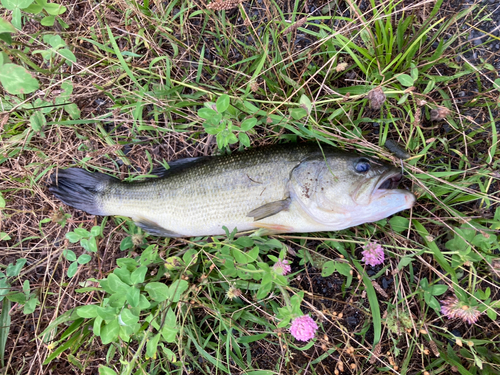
x=140 y=84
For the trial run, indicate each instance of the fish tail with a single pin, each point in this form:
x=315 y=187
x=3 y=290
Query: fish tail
x=81 y=189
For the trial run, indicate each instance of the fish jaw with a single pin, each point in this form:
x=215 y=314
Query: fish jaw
x=387 y=202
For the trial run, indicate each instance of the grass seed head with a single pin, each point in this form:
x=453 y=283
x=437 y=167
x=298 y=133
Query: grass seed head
x=439 y=113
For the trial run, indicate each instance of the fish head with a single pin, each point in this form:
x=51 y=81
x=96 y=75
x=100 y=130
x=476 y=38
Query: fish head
x=343 y=190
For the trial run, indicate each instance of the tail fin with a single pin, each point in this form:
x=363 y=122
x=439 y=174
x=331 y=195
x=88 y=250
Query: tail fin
x=80 y=189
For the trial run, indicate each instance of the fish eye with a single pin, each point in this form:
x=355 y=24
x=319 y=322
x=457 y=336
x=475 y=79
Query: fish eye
x=362 y=166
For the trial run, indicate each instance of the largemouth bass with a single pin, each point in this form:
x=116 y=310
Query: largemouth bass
x=278 y=189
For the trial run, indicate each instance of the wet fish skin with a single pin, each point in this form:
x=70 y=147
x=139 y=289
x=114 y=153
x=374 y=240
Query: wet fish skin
x=280 y=189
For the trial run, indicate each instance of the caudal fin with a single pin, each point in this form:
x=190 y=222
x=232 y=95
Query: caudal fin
x=80 y=189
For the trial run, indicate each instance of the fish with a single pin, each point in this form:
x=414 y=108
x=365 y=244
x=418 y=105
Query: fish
x=285 y=188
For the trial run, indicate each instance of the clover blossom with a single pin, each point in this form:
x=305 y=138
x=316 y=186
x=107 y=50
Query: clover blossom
x=452 y=308
x=281 y=267
x=373 y=254
x=303 y=328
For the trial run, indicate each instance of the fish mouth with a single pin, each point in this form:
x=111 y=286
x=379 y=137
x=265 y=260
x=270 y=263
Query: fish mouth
x=387 y=187
x=389 y=181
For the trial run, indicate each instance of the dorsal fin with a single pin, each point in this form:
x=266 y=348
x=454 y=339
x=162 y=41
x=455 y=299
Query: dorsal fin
x=179 y=165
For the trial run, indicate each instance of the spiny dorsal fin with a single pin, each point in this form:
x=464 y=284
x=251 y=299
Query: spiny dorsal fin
x=269 y=209
x=178 y=166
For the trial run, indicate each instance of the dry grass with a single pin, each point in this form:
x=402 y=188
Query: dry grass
x=123 y=129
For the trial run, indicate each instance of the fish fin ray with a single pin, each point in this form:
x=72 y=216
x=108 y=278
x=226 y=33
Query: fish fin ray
x=153 y=228
x=269 y=209
x=269 y=229
x=178 y=166
x=80 y=189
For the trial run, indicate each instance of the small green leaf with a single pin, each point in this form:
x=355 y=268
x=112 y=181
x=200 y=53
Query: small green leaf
x=69 y=255
x=48 y=21
x=37 y=121
x=126 y=318
x=148 y=255
x=403 y=98
x=30 y=305
x=73 y=111
x=33 y=8
x=17 y=297
x=73 y=237
x=72 y=269
x=244 y=241
x=248 y=124
x=404 y=262
x=84 y=259
x=176 y=289
x=126 y=244
x=92 y=245
x=207 y=113
x=68 y=55
x=104 y=370
x=173 y=263
x=7 y=38
x=157 y=291
x=109 y=332
x=4 y=287
x=87 y=311
x=152 y=346
x=13 y=270
x=414 y=72
x=429 y=87
x=6 y=26
x=264 y=290
x=16 y=4
x=83 y=233
x=244 y=140
x=399 y=224
x=491 y=314
x=4 y=236
x=139 y=275
x=306 y=103
x=170 y=330
x=116 y=284
x=95 y=231
x=496 y=84
x=222 y=103
x=328 y=268
x=143 y=302
x=343 y=268
x=433 y=303
x=298 y=113
x=54 y=9
x=439 y=289
x=85 y=244
x=133 y=296
x=405 y=80
x=26 y=287
x=17 y=18
x=106 y=313
x=55 y=41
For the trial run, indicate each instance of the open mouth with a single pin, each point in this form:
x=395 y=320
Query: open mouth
x=390 y=182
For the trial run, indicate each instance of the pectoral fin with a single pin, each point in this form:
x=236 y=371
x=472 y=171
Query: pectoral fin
x=269 y=209
x=153 y=228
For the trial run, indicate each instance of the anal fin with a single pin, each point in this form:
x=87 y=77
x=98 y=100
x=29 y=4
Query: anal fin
x=268 y=229
x=153 y=228
x=269 y=209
